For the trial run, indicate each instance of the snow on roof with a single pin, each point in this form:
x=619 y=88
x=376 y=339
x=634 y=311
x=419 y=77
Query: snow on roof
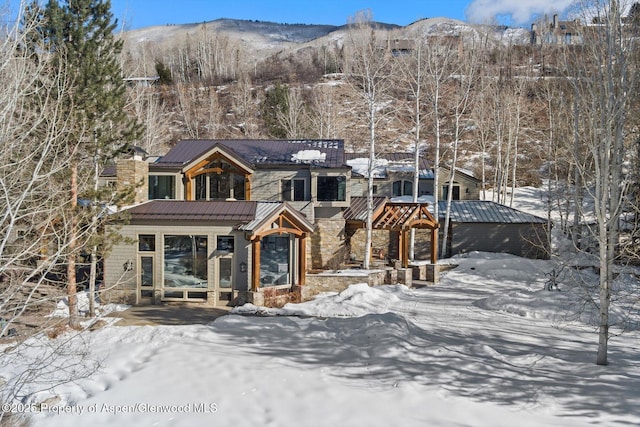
x=382 y=167
x=361 y=167
x=308 y=156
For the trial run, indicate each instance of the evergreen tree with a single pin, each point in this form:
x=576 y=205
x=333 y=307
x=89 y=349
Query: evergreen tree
x=275 y=104
x=76 y=38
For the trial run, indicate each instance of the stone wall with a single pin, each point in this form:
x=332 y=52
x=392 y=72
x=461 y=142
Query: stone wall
x=327 y=248
x=340 y=280
x=133 y=175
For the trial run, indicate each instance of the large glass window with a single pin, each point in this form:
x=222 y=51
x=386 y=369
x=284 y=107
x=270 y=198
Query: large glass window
x=185 y=261
x=220 y=182
x=332 y=188
x=274 y=261
x=162 y=187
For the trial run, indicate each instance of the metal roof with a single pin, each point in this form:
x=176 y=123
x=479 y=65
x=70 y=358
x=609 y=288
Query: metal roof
x=261 y=152
x=483 y=211
x=246 y=215
x=186 y=210
x=267 y=210
x=357 y=211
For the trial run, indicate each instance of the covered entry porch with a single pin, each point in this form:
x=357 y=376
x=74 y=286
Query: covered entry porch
x=397 y=219
x=278 y=254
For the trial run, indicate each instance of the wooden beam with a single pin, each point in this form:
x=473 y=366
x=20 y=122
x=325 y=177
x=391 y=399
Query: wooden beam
x=302 y=260
x=255 y=265
x=434 y=246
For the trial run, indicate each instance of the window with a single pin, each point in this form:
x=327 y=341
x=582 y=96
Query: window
x=332 y=188
x=219 y=182
x=275 y=261
x=162 y=187
x=185 y=261
x=146 y=242
x=225 y=243
x=293 y=190
x=146 y=271
x=402 y=188
x=456 y=192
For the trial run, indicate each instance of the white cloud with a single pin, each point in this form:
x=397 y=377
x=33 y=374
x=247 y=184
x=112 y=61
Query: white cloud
x=520 y=11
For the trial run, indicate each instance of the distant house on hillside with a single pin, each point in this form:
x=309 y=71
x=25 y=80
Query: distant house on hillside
x=558 y=32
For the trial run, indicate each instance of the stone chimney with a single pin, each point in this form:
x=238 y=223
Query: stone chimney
x=133 y=175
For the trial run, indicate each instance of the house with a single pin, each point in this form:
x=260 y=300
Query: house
x=224 y=222
x=558 y=32
x=219 y=220
x=394 y=175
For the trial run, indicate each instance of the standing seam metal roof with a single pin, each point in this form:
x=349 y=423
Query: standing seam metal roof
x=259 y=152
x=183 y=210
x=483 y=211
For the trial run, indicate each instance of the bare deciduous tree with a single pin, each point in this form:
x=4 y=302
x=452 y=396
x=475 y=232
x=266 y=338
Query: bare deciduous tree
x=369 y=77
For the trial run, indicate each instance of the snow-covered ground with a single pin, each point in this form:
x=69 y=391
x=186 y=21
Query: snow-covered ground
x=487 y=346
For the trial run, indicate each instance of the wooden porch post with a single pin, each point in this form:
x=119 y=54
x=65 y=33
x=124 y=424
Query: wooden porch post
x=255 y=264
x=247 y=187
x=434 y=245
x=302 y=259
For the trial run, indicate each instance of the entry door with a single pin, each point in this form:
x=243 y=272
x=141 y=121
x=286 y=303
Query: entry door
x=224 y=279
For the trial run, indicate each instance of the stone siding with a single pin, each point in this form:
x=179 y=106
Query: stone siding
x=339 y=281
x=133 y=175
x=327 y=248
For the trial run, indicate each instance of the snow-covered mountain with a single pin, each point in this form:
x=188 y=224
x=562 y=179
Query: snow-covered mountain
x=260 y=39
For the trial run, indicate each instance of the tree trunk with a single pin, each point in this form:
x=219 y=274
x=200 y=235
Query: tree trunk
x=74 y=318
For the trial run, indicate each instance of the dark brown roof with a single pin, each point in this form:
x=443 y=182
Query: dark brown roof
x=183 y=210
x=357 y=211
x=259 y=152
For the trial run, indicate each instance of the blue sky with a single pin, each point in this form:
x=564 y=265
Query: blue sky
x=143 y=13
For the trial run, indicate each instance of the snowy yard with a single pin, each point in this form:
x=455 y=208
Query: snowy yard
x=488 y=346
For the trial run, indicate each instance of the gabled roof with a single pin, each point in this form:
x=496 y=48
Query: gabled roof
x=483 y=211
x=386 y=163
x=320 y=153
x=268 y=211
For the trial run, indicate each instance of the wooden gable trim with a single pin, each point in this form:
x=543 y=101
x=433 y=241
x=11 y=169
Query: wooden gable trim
x=401 y=216
x=298 y=229
x=217 y=153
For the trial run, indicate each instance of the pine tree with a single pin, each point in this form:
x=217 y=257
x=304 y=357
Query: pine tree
x=78 y=41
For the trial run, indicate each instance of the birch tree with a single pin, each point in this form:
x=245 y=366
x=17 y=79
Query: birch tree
x=369 y=78
x=460 y=99
x=606 y=79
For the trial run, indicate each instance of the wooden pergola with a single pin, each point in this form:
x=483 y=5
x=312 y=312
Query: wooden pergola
x=402 y=217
